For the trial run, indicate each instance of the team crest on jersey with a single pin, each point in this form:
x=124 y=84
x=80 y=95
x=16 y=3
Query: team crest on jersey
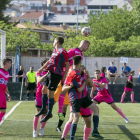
x=2 y=80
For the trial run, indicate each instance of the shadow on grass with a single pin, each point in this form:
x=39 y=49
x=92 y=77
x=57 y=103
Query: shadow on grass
x=130 y=135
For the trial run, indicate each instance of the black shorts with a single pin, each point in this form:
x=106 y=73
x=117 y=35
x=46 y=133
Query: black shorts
x=52 y=80
x=31 y=86
x=78 y=103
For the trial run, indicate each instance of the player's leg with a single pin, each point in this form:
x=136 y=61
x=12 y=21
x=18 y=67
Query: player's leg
x=89 y=104
x=132 y=97
x=116 y=76
x=58 y=128
x=123 y=96
x=54 y=80
x=67 y=127
x=113 y=105
x=28 y=91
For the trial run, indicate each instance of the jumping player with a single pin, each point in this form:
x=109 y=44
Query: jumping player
x=4 y=77
x=57 y=62
x=40 y=79
x=85 y=113
x=84 y=45
x=104 y=95
x=129 y=88
x=78 y=100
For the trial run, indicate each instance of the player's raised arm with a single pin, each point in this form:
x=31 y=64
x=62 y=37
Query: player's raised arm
x=66 y=88
x=44 y=66
x=103 y=85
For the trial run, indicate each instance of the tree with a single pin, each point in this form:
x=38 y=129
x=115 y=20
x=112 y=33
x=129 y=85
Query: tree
x=20 y=37
x=3 y=5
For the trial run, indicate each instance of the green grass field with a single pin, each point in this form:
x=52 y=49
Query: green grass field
x=19 y=125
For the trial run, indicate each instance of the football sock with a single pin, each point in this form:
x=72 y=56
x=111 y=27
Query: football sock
x=121 y=113
x=72 y=131
x=44 y=100
x=1 y=115
x=132 y=97
x=66 y=130
x=60 y=121
x=95 y=123
x=43 y=123
x=86 y=133
x=35 y=123
x=123 y=96
x=50 y=106
x=60 y=103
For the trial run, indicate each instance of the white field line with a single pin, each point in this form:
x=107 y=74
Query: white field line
x=10 y=112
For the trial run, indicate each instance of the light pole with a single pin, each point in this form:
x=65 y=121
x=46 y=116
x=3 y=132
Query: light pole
x=77 y=17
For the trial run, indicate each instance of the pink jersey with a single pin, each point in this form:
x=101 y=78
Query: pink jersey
x=4 y=77
x=84 y=92
x=101 y=91
x=102 y=74
x=72 y=52
x=40 y=85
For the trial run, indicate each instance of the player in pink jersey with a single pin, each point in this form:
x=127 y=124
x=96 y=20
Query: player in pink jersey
x=103 y=71
x=40 y=79
x=129 y=88
x=85 y=113
x=104 y=95
x=4 y=77
x=84 y=45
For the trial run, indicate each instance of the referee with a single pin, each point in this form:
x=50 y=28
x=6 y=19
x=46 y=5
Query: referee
x=31 y=75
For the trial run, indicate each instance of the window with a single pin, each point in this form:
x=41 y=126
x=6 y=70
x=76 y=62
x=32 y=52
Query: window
x=72 y=8
x=77 y=1
x=30 y=53
x=51 y=37
x=58 y=8
x=65 y=9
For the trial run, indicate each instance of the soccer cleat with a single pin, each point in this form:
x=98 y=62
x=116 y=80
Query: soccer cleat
x=62 y=139
x=46 y=118
x=97 y=135
x=126 y=120
x=34 y=134
x=122 y=102
x=41 y=112
x=134 y=102
x=58 y=129
x=61 y=116
x=41 y=133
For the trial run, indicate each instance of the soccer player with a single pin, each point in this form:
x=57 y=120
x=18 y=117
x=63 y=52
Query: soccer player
x=104 y=95
x=85 y=113
x=40 y=79
x=4 y=77
x=84 y=45
x=57 y=62
x=129 y=88
x=31 y=75
x=103 y=71
x=78 y=100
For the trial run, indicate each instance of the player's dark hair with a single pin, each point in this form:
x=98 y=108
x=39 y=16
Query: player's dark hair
x=103 y=69
x=132 y=71
x=77 y=59
x=60 y=39
x=44 y=61
x=86 y=41
x=6 y=60
x=97 y=71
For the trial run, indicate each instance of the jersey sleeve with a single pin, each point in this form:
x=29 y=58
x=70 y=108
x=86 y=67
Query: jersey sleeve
x=104 y=80
x=77 y=81
x=108 y=68
x=27 y=74
x=129 y=69
x=115 y=69
x=65 y=54
x=70 y=54
x=130 y=77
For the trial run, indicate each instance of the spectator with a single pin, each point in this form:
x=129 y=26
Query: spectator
x=20 y=74
x=31 y=75
x=112 y=72
x=126 y=70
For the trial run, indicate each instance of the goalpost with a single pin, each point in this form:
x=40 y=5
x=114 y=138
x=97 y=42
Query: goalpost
x=3 y=45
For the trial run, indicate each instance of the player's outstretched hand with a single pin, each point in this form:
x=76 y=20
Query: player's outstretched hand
x=9 y=98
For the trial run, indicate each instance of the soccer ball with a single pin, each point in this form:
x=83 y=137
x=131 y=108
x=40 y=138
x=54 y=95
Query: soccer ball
x=86 y=31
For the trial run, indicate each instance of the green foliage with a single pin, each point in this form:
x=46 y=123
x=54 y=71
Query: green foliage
x=19 y=37
x=3 y=5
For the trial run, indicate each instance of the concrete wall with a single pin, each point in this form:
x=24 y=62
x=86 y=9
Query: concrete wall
x=116 y=92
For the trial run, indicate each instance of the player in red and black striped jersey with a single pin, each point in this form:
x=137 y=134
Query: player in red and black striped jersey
x=58 y=60
x=129 y=88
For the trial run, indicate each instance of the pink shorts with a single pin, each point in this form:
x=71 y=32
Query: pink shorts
x=107 y=99
x=126 y=89
x=38 y=102
x=83 y=112
x=2 y=101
